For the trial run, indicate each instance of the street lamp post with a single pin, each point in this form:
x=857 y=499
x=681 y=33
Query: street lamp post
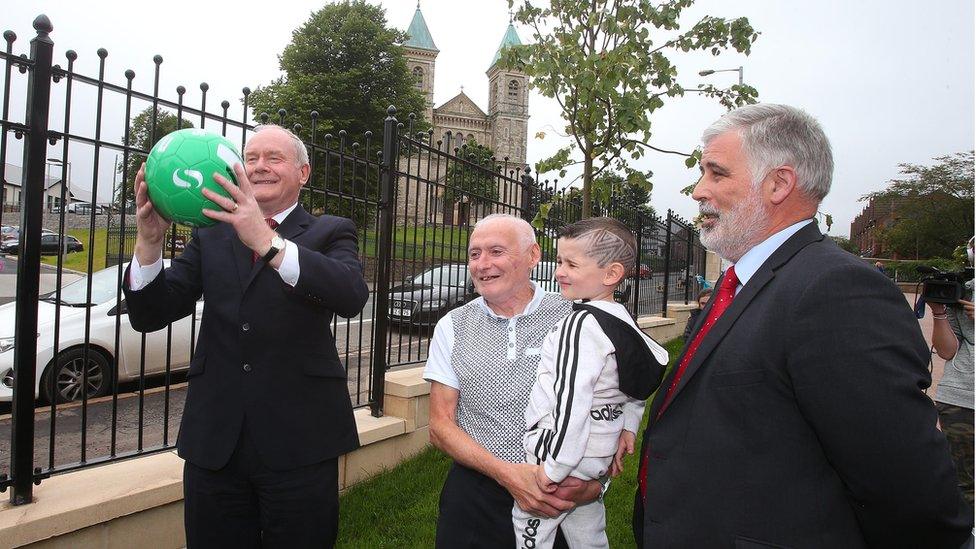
x=713 y=71
x=65 y=177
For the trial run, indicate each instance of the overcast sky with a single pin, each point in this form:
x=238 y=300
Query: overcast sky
x=891 y=80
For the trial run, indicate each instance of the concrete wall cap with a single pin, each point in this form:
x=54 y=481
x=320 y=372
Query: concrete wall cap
x=646 y=322
x=374 y=429
x=70 y=502
x=407 y=383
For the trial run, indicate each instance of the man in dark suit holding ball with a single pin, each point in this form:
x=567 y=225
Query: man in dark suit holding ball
x=267 y=409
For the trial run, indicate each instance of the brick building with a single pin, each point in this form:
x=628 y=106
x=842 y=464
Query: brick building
x=877 y=214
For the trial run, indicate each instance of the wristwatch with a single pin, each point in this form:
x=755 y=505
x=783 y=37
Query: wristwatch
x=277 y=244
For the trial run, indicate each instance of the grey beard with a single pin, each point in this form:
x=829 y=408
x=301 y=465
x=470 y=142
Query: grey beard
x=738 y=230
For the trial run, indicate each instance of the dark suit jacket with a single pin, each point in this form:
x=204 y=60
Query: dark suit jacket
x=801 y=421
x=266 y=357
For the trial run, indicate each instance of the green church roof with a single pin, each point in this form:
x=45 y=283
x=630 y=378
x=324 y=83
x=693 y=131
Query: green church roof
x=511 y=38
x=418 y=36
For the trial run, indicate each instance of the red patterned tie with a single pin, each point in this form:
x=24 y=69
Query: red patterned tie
x=723 y=298
x=271 y=223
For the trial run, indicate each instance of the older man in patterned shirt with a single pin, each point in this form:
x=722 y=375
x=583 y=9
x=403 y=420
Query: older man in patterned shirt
x=482 y=364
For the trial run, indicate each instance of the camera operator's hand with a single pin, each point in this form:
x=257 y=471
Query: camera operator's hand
x=968 y=307
x=937 y=308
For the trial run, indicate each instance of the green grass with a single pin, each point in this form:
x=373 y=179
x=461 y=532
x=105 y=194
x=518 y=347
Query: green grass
x=442 y=243
x=398 y=508
x=78 y=261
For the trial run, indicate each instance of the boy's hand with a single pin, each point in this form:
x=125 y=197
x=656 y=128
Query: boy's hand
x=543 y=480
x=625 y=444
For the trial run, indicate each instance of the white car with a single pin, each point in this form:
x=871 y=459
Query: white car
x=64 y=381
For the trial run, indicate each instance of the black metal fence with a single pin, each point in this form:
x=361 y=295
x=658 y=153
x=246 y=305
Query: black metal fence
x=86 y=389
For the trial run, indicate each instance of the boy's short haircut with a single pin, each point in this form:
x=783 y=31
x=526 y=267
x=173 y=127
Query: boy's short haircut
x=703 y=293
x=607 y=241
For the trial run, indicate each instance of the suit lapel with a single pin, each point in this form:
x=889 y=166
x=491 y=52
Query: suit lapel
x=805 y=236
x=296 y=223
x=293 y=225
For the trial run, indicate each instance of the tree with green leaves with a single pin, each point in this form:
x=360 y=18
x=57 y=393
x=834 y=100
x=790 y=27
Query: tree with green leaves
x=345 y=63
x=933 y=207
x=611 y=190
x=606 y=64
x=478 y=186
x=142 y=136
x=613 y=195
x=621 y=198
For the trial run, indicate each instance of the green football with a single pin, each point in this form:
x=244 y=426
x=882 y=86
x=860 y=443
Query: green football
x=181 y=165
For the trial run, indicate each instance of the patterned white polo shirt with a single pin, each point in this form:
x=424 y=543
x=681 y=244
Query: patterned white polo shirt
x=492 y=360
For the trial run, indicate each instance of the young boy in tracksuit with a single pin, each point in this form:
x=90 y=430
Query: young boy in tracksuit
x=597 y=369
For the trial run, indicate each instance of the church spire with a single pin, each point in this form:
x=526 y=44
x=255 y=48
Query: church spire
x=511 y=38
x=418 y=36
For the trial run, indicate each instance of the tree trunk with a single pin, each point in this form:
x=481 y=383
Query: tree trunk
x=587 y=180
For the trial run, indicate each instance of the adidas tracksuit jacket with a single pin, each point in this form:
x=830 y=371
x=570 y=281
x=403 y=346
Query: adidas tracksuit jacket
x=574 y=418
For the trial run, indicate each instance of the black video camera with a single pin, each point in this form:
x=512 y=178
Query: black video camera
x=941 y=287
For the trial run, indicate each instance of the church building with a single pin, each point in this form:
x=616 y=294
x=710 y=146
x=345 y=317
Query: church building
x=504 y=128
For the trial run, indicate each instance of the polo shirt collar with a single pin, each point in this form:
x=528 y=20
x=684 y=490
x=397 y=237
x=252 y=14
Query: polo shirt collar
x=533 y=305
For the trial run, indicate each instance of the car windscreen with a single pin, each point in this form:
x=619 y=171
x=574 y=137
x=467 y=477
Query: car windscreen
x=448 y=275
x=105 y=286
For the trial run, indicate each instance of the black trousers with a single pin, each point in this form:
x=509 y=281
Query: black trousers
x=246 y=505
x=476 y=513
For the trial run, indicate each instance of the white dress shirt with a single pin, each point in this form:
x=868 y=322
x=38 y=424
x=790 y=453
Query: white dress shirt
x=140 y=276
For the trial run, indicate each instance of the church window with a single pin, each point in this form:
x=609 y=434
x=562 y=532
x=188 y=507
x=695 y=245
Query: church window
x=471 y=138
x=513 y=90
x=418 y=76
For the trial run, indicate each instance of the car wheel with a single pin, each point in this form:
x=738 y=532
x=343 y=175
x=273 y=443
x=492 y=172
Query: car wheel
x=63 y=383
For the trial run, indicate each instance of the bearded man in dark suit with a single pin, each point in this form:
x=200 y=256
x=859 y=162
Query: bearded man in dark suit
x=796 y=415
x=267 y=409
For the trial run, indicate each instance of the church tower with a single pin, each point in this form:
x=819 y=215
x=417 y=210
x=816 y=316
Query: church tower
x=420 y=53
x=508 y=105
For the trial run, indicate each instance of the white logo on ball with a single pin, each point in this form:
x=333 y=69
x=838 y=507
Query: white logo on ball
x=228 y=155
x=163 y=143
x=185 y=184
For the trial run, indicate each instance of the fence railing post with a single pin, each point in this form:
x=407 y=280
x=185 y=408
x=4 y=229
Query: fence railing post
x=384 y=261
x=527 y=204
x=688 y=261
x=638 y=231
x=29 y=259
x=667 y=264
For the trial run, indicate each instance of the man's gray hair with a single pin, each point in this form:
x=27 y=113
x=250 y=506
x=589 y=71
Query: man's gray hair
x=301 y=152
x=777 y=135
x=525 y=231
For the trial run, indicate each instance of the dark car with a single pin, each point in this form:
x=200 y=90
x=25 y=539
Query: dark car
x=423 y=299
x=49 y=244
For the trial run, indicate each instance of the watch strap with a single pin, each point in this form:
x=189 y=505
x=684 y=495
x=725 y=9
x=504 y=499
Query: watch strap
x=277 y=244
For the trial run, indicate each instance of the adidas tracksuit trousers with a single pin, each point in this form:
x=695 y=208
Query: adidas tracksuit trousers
x=584 y=526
